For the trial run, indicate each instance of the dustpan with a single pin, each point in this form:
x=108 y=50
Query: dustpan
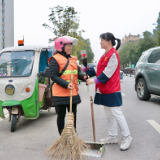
x=95 y=149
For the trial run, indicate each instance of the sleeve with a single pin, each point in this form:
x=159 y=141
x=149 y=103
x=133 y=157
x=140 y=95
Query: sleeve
x=92 y=71
x=54 y=71
x=80 y=74
x=109 y=69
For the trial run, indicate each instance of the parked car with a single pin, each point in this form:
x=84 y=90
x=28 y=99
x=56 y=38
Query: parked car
x=147 y=74
x=121 y=74
x=128 y=70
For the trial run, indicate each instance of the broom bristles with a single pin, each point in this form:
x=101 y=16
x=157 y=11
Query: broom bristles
x=69 y=146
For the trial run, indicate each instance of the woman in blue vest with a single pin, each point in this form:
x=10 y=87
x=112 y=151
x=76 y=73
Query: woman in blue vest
x=108 y=90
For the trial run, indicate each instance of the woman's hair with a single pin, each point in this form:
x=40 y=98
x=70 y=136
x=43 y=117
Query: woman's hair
x=110 y=37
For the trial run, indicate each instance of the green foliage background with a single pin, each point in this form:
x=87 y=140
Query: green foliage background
x=130 y=52
x=65 y=21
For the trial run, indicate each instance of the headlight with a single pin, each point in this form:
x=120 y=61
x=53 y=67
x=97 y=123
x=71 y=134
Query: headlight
x=10 y=90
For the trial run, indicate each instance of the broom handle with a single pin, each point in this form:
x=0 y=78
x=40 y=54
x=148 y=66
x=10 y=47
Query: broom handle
x=71 y=91
x=93 y=123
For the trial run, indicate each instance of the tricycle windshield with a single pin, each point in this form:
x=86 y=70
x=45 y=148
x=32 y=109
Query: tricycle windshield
x=16 y=64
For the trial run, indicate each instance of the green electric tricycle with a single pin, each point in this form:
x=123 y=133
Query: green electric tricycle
x=25 y=87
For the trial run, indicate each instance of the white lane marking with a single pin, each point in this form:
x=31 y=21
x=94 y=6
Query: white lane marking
x=5 y=113
x=154 y=124
x=123 y=94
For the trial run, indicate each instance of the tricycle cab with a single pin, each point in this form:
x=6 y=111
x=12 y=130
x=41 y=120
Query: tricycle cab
x=21 y=81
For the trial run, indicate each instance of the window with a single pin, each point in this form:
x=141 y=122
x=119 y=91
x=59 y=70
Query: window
x=3 y=20
x=2 y=33
x=18 y=63
x=154 y=57
x=143 y=56
x=3 y=47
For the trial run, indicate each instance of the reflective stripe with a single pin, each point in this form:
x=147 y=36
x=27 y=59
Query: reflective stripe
x=69 y=72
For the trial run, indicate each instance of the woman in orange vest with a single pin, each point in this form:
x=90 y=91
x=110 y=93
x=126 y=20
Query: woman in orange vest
x=62 y=86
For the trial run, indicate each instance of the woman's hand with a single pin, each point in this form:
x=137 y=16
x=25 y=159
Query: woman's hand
x=86 y=77
x=90 y=81
x=70 y=86
x=81 y=68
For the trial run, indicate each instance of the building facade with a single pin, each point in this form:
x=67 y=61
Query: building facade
x=6 y=23
x=130 y=38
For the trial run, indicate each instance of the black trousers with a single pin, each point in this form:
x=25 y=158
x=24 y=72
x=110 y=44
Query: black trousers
x=61 y=113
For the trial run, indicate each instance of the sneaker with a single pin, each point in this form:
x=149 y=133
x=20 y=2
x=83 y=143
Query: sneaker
x=126 y=142
x=109 y=140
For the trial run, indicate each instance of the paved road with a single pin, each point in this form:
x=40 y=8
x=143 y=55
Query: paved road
x=32 y=138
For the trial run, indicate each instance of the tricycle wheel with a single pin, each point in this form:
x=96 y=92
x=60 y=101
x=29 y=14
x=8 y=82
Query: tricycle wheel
x=13 y=122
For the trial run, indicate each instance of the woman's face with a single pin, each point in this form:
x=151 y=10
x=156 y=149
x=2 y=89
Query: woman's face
x=67 y=48
x=104 y=43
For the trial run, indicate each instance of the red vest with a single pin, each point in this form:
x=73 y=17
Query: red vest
x=113 y=84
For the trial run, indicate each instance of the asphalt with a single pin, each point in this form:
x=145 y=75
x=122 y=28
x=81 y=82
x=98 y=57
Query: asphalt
x=33 y=137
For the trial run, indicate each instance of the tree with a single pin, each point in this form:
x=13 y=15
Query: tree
x=156 y=31
x=128 y=53
x=123 y=55
x=146 y=42
x=90 y=54
x=83 y=44
x=131 y=51
x=65 y=21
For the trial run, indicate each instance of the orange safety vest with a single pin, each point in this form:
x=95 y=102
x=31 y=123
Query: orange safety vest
x=59 y=91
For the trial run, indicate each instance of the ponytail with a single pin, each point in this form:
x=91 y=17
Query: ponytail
x=119 y=43
x=110 y=37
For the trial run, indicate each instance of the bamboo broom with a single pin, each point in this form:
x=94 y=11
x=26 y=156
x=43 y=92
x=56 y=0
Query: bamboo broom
x=69 y=146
